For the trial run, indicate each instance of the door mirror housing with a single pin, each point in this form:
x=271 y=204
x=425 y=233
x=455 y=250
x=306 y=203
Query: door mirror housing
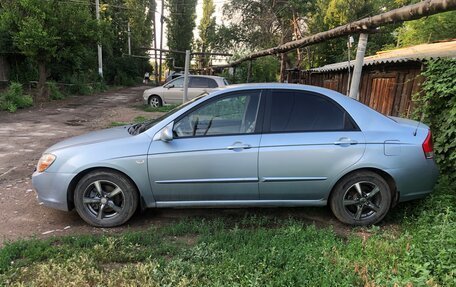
x=165 y=134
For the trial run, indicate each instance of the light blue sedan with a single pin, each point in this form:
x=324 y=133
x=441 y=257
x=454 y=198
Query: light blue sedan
x=246 y=145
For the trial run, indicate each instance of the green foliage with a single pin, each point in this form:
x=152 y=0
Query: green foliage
x=66 y=33
x=206 y=28
x=14 y=98
x=436 y=106
x=265 y=69
x=124 y=71
x=180 y=27
x=264 y=24
x=436 y=27
x=119 y=68
x=54 y=92
x=48 y=31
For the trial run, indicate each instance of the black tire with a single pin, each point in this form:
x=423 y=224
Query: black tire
x=110 y=191
x=362 y=198
x=155 y=102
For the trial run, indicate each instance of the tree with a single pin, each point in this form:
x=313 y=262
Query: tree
x=267 y=23
x=116 y=15
x=47 y=30
x=206 y=31
x=436 y=27
x=180 y=25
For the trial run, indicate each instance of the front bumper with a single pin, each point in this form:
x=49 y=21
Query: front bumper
x=52 y=188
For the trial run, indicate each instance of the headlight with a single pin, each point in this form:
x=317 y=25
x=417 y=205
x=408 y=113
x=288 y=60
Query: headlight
x=45 y=162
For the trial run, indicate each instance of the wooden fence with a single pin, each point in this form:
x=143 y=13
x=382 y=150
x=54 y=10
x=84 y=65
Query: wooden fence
x=387 y=88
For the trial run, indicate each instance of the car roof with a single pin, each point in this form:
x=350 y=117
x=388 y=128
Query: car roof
x=203 y=76
x=284 y=86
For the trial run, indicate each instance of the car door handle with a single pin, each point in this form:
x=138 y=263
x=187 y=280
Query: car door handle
x=345 y=141
x=238 y=145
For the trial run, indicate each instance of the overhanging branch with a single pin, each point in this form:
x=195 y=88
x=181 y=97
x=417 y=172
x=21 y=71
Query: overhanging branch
x=406 y=13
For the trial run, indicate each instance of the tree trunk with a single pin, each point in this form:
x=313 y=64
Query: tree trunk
x=42 y=95
x=283 y=67
x=4 y=69
x=406 y=13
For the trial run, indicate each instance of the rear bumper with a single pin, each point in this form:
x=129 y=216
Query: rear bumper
x=416 y=182
x=52 y=189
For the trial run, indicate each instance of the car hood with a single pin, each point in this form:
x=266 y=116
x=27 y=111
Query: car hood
x=159 y=88
x=92 y=137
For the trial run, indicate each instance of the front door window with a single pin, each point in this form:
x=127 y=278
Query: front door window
x=228 y=116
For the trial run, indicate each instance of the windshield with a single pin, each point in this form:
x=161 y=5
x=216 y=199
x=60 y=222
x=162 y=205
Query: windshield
x=135 y=129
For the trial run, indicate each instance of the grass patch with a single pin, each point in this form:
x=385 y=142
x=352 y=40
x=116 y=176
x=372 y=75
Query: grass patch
x=250 y=251
x=118 y=124
x=163 y=109
x=138 y=119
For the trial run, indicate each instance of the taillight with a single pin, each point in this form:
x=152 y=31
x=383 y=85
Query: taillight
x=428 y=147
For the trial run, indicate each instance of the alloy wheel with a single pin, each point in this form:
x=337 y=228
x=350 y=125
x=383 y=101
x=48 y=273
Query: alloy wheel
x=362 y=200
x=154 y=102
x=103 y=199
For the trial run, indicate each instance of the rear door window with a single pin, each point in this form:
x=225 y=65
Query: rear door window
x=295 y=111
x=198 y=82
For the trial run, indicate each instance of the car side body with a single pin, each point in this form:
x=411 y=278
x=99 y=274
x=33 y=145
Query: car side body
x=259 y=168
x=172 y=91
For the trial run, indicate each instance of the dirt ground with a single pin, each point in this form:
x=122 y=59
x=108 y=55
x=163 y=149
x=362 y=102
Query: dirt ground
x=25 y=134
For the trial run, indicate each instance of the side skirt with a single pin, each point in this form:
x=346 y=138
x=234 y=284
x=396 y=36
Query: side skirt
x=239 y=203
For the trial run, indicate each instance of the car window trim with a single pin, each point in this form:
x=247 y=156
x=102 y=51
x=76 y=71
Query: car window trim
x=259 y=121
x=267 y=114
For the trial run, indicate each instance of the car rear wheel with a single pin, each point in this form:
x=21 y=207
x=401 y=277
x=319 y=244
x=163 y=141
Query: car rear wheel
x=155 y=102
x=362 y=198
x=105 y=198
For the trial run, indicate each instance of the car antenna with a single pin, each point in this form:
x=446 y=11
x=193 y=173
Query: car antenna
x=419 y=122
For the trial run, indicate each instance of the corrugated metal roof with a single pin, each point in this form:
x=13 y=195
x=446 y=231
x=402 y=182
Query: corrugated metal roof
x=414 y=53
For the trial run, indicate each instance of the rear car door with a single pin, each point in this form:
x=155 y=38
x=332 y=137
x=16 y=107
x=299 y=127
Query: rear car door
x=197 y=86
x=213 y=155
x=308 y=141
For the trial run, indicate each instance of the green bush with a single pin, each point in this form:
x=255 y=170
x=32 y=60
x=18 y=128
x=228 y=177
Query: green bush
x=436 y=106
x=54 y=92
x=14 y=98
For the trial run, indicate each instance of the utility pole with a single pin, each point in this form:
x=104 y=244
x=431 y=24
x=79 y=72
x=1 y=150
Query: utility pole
x=187 y=68
x=129 y=38
x=155 y=45
x=356 y=78
x=100 y=52
x=161 y=37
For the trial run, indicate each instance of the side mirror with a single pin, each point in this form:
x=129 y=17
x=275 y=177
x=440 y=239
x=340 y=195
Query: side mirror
x=165 y=134
x=170 y=86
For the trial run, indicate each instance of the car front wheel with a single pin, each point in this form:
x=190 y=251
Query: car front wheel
x=105 y=198
x=362 y=198
x=155 y=102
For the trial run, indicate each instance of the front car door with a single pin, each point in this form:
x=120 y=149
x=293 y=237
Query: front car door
x=308 y=141
x=213 y=155
x=173 y=91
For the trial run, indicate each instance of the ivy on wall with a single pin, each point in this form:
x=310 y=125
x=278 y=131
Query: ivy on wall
x=436 y=106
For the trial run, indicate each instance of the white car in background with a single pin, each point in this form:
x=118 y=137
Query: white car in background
x=172 y=92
